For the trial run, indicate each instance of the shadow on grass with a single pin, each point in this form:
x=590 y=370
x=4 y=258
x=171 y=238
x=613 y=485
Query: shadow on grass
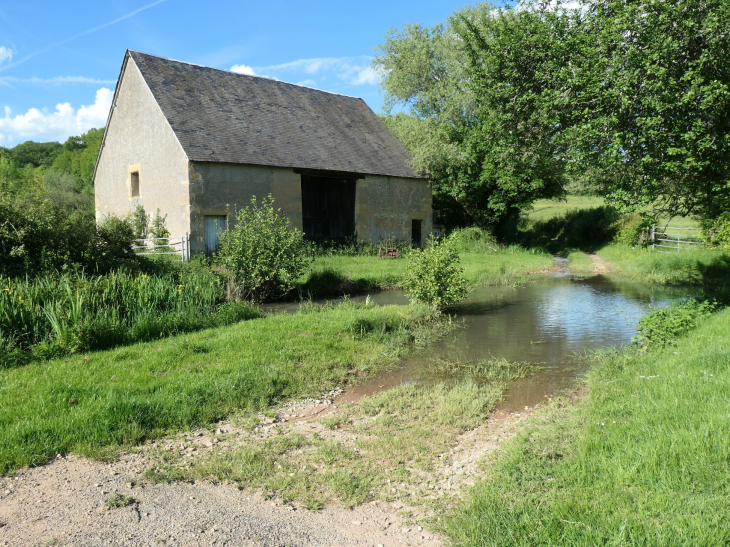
x=716 y=278
x=586 y=230
x=329 y=282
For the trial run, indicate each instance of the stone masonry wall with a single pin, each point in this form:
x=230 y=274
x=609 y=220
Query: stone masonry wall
x=140 y=139
x=385 y=206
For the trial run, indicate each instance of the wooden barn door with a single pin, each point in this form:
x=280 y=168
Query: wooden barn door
x=328 y=208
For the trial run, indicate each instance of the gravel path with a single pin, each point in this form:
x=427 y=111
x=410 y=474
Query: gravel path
x=64 y=503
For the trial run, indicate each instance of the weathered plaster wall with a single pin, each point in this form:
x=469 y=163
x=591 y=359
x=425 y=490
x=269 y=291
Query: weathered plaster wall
x=139 y=138
x=385 y=206
x=222 y=188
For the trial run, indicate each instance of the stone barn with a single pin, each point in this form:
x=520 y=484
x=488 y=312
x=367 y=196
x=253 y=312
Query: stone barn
x=198 y=143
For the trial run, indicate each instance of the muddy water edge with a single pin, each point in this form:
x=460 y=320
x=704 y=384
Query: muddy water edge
x=550 y=322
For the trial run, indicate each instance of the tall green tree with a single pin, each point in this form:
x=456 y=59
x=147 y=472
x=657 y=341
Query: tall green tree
x=653 y=94
x=79 y=156
x=479 y=110
x=631 y=97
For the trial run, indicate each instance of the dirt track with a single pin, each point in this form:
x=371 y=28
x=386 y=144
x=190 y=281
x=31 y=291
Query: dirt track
x=65 y=503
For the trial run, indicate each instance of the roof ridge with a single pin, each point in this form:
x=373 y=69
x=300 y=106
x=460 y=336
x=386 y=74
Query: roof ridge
x=266 y=78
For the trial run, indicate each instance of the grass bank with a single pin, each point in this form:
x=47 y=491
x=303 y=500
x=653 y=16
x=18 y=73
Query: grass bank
x=641 y=459
x=96 y=403
x=702 y=267
x=350 y=274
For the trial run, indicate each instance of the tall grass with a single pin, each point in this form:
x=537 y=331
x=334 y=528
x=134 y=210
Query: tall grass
x=642 y=459
x=56 y=315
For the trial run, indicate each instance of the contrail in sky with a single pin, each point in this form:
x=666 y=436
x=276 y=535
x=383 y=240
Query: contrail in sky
x=110 y=23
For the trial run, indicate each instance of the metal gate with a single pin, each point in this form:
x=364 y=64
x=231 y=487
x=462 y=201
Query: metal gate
x=159 y=246
x=667 y=239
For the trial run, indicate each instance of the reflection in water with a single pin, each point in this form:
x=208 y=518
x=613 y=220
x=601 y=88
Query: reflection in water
x=545 y=322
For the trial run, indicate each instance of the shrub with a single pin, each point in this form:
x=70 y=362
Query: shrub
x=585 y=229
x=262 y=254
x=474 y=239
x=434 y=275
x=629 y=229
x=717 y=231
x=661 y=327
x=37 y=236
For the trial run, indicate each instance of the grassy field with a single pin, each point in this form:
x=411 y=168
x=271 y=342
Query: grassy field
x=642 y=459
x=345 y=274
x=545 y=209
x=96 y=403
x=702 y=267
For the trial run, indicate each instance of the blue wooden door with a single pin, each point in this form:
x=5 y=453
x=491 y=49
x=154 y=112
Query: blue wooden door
x=214 y=226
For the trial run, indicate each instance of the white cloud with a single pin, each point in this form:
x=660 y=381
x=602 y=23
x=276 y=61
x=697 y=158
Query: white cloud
x=308 y=83
x=42 y=125
x=243 y=69
x=56 y=80
x=249 y=71
x=367 y=75
x=6 y=54
x=354 y=70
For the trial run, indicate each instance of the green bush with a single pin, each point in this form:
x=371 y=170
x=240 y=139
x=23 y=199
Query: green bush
x=629 y=229
x=37 y=236
x=584 y=229
x=662 y=327
x=717 y=231
x=475 y=240
x=434 y=275
x=262 y=254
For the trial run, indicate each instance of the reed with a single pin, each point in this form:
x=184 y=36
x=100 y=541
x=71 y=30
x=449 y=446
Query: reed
x=57 y=315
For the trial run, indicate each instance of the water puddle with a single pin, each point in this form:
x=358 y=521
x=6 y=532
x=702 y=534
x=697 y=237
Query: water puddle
x=548 y=322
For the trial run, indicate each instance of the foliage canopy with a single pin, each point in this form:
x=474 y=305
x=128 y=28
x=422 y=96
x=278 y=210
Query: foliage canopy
x=501 y=107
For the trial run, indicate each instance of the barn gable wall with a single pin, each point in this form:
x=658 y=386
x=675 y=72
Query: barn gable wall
x=139 y=138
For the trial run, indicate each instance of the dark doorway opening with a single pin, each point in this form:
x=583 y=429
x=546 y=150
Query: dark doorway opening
x=416 y=232
x=328 y=208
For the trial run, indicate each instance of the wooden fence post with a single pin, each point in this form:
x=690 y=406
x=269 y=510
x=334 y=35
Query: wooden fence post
x=653 y=240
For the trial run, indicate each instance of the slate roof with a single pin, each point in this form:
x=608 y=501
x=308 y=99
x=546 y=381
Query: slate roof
x=222 y=116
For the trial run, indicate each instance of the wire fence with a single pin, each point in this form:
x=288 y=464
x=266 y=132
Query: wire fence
x=668 y=239
x=160 y=246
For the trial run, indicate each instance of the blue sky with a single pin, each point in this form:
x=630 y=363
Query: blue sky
x=59 y=61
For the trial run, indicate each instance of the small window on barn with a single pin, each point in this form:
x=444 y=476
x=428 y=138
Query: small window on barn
x=134 y=185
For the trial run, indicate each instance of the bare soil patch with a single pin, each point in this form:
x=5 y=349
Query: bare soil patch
x=600 y=265
x=67 y=501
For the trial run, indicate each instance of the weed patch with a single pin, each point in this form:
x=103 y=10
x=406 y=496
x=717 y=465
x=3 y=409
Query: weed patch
x=119 y=500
